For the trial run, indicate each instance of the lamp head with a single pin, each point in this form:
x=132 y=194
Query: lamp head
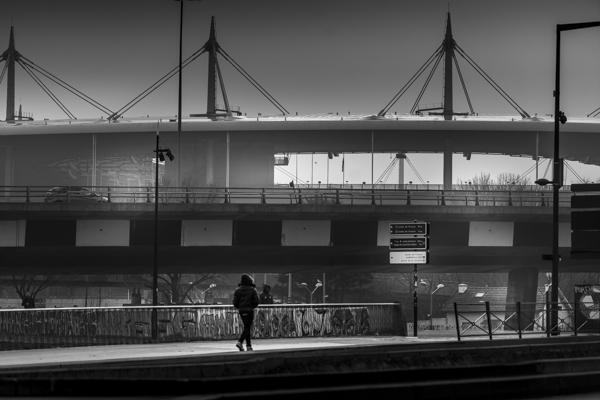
x=170 y=155
x=562 y=117
x=543 y=182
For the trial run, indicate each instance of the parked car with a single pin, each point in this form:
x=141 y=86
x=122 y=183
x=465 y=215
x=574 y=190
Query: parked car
x=60 y=194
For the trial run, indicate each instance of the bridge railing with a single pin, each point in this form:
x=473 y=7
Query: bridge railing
x=84 y=326
x=491 y=196
x=524 y=318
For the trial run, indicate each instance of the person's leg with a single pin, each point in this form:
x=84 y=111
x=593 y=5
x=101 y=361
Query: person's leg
x=248 y=328
x=240 y=342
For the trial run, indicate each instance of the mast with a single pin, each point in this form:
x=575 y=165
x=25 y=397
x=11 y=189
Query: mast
x=448 y=70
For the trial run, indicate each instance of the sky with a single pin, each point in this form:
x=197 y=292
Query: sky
x=315 y=57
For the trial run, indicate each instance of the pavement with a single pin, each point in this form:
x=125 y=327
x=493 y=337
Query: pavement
x=10 y=359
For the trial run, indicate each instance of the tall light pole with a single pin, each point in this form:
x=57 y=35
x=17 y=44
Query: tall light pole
x=311 y=292
x=159 y=156
x=179 y=101
x=559 y=117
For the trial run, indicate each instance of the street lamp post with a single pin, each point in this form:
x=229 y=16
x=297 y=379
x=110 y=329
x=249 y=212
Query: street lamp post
x=559 y=117
x=311 y=292
x=439 y=286
x=179 y=92
x=179 y=101
x=159 y=157
x=202 y=292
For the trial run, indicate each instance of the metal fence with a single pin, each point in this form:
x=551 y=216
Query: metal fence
x=377 y=195
x=490 y=320
x=84 y=326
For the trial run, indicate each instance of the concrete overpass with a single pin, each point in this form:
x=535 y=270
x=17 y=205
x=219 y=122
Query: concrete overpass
x=282 y=231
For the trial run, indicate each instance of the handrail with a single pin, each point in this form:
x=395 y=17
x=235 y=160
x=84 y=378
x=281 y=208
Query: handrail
x=375 y=196
x=521 y=318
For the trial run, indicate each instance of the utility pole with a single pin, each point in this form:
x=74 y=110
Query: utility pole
x=179 y=94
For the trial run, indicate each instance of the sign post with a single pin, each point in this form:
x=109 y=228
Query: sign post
x=409 y=244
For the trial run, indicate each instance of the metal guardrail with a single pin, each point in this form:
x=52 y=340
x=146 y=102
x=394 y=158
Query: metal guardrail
x=376 y=196
x=84 y=326
x=489 y=320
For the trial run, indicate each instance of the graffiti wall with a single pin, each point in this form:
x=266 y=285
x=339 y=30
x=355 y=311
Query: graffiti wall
x=133 y=324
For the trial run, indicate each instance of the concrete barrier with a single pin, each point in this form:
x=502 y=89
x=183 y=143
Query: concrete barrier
x=103 y=325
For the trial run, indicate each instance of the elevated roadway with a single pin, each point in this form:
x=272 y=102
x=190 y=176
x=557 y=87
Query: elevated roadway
x=278 y=230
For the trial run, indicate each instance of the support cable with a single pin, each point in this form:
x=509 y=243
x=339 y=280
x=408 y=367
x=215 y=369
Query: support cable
x=410 y=82
x=528 y=171
x=594 y=113
x=252 y=81
x=156 y=84
x=570 y=168
x=547 y=167
x=386 y=173
x=289 y=174
x=52 y=96
x=222 y=85
x=412 y=166
x=492 y=83
x=422 y=92
x=462 y=82
x=3 y=72
x=66 y=86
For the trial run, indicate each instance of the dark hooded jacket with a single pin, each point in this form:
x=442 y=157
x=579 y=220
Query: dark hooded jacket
x=245 y=297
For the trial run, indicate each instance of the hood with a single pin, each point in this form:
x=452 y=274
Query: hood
x=246 y=280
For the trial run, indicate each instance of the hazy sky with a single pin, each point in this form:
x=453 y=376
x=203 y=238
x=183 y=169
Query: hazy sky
x=314 y=56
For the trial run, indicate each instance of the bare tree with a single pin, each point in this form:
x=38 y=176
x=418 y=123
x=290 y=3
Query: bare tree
x=29 y=286
x=484 y=181
x=174 y=288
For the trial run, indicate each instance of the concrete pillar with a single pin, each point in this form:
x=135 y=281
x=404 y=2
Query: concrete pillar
x=447 y=170
x=210 y=160
x=522 y=287
x=401 y=170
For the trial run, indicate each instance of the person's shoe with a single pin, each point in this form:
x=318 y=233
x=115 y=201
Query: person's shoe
x=240 y=346
x=249 y=348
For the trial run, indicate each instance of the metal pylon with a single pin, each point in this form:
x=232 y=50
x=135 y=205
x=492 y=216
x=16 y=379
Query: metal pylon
x=214 y=50
x=448 y=47
x=448 y=50
x=12 y=57
x=214 y=71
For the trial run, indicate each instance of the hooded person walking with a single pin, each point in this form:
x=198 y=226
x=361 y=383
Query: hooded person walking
x=245 y=299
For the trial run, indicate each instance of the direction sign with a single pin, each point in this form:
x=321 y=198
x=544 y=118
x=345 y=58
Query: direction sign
x=409 y=228
x=409 y=257
x=409 y=243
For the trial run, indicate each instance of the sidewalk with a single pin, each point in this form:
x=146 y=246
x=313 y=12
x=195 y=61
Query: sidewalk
x=135 y=352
